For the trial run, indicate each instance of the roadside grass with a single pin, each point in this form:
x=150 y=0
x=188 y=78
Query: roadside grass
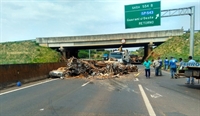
x=26 y=52
x=179 y=47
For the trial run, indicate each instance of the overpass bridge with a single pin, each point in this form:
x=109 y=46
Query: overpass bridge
x=71 y=44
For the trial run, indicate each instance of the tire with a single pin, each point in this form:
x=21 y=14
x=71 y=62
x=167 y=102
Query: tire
x=124 y=62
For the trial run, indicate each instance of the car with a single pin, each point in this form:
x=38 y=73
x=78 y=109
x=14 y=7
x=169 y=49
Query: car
x=56 y=73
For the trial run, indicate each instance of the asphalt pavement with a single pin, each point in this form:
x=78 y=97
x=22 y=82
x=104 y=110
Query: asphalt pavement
x=129 y=95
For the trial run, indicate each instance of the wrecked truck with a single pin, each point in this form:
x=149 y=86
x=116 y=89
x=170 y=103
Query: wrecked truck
x=81 y=68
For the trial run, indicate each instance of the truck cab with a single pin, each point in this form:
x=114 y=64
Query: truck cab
x=105 y=56
x=121 y=57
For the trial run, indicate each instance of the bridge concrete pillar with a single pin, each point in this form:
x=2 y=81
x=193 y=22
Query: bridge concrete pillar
x=74 y=52
x=145 y=51
x=70 y=52
x=150 y=47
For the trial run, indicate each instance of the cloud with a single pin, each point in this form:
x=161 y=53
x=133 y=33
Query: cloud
x=42 y=18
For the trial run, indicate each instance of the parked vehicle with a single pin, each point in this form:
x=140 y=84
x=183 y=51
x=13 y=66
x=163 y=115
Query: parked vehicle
x=121 y=56
x=193 y=71
x=105 y=56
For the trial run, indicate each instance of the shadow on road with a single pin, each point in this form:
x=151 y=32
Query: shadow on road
x=191 y=86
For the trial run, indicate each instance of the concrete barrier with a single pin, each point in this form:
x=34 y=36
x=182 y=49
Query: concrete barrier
x=10 y=74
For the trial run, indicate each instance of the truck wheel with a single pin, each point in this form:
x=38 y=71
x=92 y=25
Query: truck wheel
x=125 y=63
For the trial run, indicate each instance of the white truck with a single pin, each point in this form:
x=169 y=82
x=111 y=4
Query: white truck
x=193 y=71
x=121 y=56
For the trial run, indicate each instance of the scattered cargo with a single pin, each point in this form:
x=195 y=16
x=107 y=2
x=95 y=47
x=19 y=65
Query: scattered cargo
x=92 y=68
x=135 y=59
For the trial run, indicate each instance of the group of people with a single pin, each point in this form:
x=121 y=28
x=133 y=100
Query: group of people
x=157 y=64
x=172 y=64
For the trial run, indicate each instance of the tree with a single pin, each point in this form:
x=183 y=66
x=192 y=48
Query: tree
x=83 y=54
x=106 y=52
x=140 y=51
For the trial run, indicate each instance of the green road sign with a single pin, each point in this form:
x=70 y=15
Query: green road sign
x=142 y=15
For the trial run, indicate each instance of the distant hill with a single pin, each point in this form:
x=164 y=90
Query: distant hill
x=26 y=52
x=178 y=47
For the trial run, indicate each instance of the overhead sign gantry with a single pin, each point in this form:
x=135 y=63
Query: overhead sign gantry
x=149 y=14
x=142 y=15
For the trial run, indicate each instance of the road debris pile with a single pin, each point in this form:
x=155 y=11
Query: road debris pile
x=136 y=59
x=91 y=68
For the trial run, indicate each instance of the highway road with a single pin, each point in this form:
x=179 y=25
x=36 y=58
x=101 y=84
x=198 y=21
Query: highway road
x=128 y=95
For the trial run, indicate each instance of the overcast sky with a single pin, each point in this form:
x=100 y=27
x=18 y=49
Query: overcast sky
x=29 y=19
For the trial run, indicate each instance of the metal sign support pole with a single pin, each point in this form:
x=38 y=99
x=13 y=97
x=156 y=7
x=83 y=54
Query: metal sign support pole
x=192 y=24
x=184 y=11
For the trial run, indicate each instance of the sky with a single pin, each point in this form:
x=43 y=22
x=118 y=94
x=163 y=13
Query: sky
x=28 y=19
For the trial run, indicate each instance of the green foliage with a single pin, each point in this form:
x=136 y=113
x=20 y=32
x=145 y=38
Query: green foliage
x=106 y=52
x=179 y=47
x=92 y=51
x=186 y=36
x=94 y=54
x=26 y=52
x=83 y=54
x=134 y=52
x=140 y=52
x=38 y=49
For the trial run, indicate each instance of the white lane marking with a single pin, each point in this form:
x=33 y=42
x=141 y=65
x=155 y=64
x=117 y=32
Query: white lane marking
x=135 y=91
x=85 y=83
x=110 y=88
x=136 y=79
x=156 y=95
x=27 y=86
x=147 y=103
x=41 y=109
x=137 y=74
x=128 y=89
x=149 y=90
x=122 y=85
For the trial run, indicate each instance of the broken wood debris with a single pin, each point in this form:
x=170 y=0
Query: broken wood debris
x=90 y=68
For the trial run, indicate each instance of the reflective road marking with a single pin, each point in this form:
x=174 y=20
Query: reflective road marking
x=146 y=101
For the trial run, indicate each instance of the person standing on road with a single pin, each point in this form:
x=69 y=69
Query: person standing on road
x=160 y=66
x=166 y=63
x=147 y=65
x=181 y=67
x=173 y=66
x=156 y=65
x=188 y=78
